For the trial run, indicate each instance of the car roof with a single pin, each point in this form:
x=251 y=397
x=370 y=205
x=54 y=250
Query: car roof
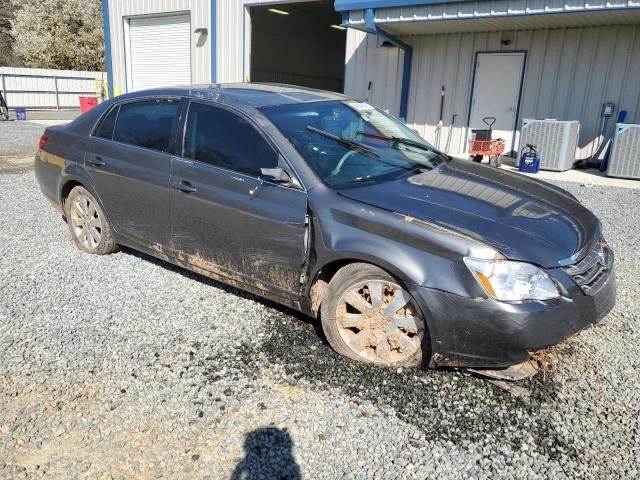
x=246 y=95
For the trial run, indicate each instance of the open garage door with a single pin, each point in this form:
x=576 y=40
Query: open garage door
x=159 y=51
x=298 y=43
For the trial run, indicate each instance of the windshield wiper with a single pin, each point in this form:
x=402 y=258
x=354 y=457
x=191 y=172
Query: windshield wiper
x=396 y=140
x=347 y=142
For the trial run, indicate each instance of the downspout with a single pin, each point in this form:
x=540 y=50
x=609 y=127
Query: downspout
x=372 y=27
x=107 y=46
x=213 y=42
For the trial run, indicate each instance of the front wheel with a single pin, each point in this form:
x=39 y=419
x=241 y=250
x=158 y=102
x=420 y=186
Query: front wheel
x=90 y=229
x=368 y=316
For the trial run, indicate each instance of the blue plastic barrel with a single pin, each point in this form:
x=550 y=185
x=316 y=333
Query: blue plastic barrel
x=21 y=113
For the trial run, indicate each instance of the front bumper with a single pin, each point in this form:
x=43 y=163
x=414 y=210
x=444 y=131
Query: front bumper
x=483 y=332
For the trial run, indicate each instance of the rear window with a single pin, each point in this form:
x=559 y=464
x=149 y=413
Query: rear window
x=105 y=129
x=147 y=123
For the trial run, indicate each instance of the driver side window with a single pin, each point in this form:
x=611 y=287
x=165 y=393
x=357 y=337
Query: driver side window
x=223 y=139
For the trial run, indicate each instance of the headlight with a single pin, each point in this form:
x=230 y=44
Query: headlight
x=512 y=281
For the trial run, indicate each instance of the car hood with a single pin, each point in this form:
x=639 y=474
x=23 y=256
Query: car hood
x=523 y=219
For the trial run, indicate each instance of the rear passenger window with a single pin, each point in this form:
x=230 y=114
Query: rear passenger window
x=105 y=129
x=147 y=123
x=224 y=139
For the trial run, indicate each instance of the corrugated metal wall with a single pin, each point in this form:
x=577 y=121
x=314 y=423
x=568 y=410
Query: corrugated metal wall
x=37 y=87
x=372 y=72
x=231 y=37
x=120 y=10
x=569 y=74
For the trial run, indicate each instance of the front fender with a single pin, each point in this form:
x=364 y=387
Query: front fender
x=413 y=251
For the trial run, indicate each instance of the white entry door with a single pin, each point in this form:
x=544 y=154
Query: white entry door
x=158 y=51
x=496 y=91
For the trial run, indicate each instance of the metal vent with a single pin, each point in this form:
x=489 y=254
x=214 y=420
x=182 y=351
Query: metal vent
x=555 y=140
x=625 y=156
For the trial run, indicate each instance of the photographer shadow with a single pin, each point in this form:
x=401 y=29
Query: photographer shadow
x=268 y=454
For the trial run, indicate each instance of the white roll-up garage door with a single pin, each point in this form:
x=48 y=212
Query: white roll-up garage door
x=159 y=51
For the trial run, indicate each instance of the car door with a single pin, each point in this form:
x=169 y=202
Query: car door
x=224 y=219
x=129 y=162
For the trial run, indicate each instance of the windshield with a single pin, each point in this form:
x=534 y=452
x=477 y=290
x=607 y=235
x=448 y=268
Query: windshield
x=350 y=143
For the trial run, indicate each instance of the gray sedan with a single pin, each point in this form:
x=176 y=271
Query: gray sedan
x=332 y=207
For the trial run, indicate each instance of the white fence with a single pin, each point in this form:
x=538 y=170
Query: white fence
x=41 y=88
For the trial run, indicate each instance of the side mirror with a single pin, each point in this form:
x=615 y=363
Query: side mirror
x=278 y=175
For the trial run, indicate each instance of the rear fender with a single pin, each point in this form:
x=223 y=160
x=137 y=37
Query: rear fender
x=75 y=173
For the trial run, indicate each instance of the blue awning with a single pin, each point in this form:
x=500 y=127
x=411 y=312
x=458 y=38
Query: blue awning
x=346 y=5
x=421 y=17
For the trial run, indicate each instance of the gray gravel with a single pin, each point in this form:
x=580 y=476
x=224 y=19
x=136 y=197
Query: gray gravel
x=19 y=138
x=124 y=366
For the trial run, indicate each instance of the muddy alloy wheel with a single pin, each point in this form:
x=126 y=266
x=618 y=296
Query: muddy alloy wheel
x=89 y=226
x=85 y=222
x=375 y=319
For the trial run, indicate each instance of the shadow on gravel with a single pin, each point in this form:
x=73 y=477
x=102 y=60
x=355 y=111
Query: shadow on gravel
x=268 y=453
x=445 y=404
x=449 y=405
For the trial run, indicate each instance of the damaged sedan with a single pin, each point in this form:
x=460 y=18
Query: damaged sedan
x=332 y=207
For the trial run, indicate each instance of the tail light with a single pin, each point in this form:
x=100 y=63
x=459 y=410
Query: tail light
x=43 y=141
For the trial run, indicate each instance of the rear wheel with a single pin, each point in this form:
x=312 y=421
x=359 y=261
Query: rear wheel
x=89 y=227
x=368 y=316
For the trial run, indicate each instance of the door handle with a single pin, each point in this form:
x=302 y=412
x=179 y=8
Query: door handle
x=96 y=161
x=184 y=186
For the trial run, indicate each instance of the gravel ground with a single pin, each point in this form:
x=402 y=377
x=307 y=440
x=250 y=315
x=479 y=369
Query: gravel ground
x=124 y=366
x=19 y=138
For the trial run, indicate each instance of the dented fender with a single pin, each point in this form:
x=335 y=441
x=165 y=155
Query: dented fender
x=413 y=251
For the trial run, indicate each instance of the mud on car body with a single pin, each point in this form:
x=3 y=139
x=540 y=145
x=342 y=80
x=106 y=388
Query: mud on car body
x=334 y=208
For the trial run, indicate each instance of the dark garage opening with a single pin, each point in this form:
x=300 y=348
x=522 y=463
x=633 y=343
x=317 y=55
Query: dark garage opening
x=299 y=44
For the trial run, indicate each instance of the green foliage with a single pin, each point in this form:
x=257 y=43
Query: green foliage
x=60 y=34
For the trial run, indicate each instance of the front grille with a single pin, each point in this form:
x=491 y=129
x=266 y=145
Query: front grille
x=592 y=272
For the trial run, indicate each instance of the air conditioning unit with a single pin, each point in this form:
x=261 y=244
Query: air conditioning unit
x=625 y=155
x=555 y=140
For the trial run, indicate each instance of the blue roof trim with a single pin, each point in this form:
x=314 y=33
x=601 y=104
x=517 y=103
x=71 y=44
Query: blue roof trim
x=345 y=5
x=107 y=46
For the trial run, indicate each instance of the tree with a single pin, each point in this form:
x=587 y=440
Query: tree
x=7 y=57
x=60 y=34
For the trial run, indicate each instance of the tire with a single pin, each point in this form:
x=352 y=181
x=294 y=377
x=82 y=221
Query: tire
x=90 y=229
x=368 y=334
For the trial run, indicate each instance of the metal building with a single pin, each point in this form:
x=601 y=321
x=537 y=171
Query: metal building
x=171 y=42
x=441 y=65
